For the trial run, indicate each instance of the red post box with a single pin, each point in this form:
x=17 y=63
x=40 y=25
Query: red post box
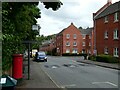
x=17 y=66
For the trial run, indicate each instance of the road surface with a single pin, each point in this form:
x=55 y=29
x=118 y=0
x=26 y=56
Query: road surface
x=65 y=72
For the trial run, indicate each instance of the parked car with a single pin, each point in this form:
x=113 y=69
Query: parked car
x=40 y=56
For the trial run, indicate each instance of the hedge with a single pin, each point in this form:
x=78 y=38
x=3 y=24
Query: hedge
x=74 y=54
x=107 y=59
x=92 y=58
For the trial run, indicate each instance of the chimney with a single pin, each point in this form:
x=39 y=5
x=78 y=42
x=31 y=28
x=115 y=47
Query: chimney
x=109 y=2
x=71 y=23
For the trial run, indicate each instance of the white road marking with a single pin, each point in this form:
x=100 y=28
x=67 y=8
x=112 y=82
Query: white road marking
x=97 y=82
x=54 y=67
x=72 y=66
x=112 y=84
x=71 y=85
x=104 y=83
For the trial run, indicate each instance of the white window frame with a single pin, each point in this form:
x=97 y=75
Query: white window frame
x=67 y=43
x=75 y=50
x=89 y=36
x=74 y=36
x=116 y=52
x=106 y=19
x=106 y=34
x=115 y=34
x=83 y=51
x=83 y=43
x=106 y=50
x=89 y=43
x=116 y=16
x=67 y=50
x=89 y=51
x=74 y=43
x=67 y=36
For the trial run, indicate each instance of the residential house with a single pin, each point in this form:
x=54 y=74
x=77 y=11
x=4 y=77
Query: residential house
x=87 y=42
x=46 y=46
x=69 y=40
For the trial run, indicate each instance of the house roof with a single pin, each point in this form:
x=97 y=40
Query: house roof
x=109 y=10
x=86 y=31
x=66 y=28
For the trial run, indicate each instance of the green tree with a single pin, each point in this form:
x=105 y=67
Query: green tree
x=17 y=21
x=54 y=5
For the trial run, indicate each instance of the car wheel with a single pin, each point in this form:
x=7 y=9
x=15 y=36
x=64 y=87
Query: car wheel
x=45 y=60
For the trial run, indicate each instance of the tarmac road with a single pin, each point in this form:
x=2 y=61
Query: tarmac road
x=65 y=72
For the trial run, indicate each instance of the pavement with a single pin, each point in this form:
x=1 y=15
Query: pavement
x=102 y=64
x=40 y=80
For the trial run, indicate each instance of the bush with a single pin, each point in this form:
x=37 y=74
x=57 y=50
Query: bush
x=66 y=54
x=53 y=52
x=107 y=59
x=49 y=52
x=74 y=54
x=92 y=58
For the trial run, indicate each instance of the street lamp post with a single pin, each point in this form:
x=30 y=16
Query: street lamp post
x=34 y=27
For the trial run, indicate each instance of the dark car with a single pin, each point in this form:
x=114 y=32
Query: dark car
x=40 y=56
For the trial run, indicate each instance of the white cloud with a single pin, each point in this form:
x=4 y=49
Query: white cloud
x=79 y=12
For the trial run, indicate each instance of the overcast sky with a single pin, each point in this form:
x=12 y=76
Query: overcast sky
x=80 y=12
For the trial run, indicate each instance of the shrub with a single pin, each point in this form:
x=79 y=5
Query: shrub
x=66 y=54
x=107 y=59
x=74 y=54
x=49 y=52
x=92 y=58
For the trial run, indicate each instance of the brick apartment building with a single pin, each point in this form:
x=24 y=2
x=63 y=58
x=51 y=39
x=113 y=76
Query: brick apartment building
x=107 y=29
x=46 y=46
x=69 y=40
x=87 y=42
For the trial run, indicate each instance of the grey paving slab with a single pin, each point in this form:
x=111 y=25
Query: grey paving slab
x=38 y=78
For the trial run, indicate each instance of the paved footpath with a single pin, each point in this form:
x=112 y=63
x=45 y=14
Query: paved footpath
x=107 y=65
x=38 y=79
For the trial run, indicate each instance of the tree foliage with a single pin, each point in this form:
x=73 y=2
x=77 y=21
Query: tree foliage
x=41 y=39
x=17 y=21
x=54 y=5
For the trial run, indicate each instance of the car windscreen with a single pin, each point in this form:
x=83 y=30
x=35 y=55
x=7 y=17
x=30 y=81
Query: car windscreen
x=41 y=53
